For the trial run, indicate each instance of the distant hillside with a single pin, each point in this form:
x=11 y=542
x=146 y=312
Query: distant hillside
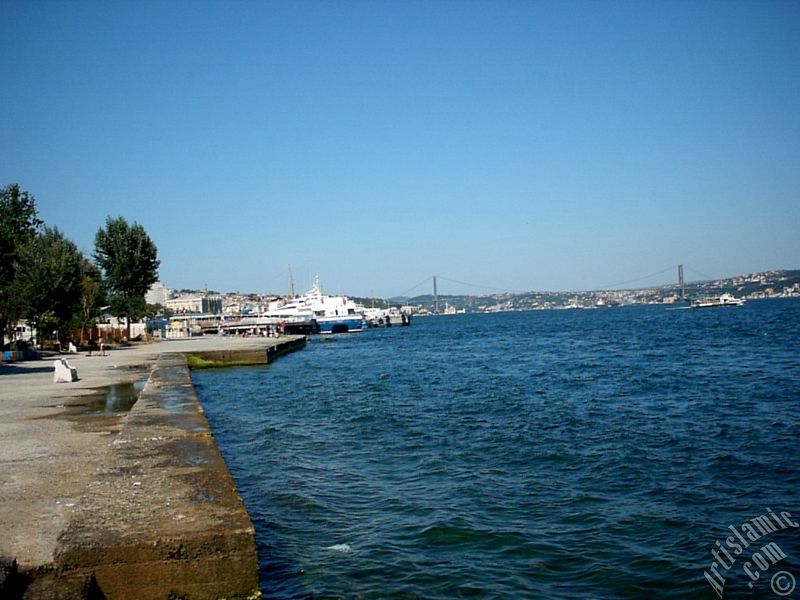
x=753 y=286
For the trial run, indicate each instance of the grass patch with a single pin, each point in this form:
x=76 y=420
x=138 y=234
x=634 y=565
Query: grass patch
x=197 y=363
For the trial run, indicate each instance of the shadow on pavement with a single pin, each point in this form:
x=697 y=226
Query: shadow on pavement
x=6 y=369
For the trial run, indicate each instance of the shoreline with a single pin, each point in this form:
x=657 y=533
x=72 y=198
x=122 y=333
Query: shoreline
x=69 y=486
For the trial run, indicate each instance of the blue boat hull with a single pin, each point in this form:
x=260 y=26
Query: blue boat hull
x=339 y=325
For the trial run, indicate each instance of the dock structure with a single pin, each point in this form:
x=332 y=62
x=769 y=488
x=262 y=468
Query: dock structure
x=214 y=324
x=122 y=505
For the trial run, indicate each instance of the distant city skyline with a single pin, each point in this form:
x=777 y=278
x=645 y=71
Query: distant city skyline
x=524 y=146
x=448 y=287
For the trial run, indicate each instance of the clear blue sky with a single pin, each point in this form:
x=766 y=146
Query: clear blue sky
x=519 y=145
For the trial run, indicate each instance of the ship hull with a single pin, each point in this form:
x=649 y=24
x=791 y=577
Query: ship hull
x=329 y=325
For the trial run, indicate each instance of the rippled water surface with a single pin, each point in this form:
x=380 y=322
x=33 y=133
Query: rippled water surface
x=554 y=454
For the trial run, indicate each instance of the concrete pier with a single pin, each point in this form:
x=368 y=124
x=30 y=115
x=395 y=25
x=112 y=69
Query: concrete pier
x=122 y=505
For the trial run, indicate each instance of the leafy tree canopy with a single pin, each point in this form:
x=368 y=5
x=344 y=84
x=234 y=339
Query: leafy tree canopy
x=92 y=298
x=48 y=284
x=19 y=224
x=129 y=260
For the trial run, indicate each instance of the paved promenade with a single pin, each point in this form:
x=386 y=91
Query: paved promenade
x=55 y=439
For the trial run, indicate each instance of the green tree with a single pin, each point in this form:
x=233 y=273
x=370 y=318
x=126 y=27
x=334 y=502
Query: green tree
x=19 y=224
x=48 y=283
x=155 y=311
x=92 y=298
x=129 y=260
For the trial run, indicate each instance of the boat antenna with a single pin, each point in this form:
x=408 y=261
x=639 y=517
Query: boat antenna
x=291 y=282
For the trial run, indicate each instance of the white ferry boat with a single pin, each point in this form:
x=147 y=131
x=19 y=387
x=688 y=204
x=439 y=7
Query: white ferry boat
x=332 y=314
x=717 y=301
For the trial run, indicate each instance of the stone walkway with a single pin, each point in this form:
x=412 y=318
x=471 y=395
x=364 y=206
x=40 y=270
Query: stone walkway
x=55 y=437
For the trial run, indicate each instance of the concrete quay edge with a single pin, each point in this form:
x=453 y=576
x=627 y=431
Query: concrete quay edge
x=158 y=515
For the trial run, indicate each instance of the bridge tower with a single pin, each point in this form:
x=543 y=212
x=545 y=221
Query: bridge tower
x=681 y=283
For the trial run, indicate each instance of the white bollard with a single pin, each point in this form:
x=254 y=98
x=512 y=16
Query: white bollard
x=64 y=373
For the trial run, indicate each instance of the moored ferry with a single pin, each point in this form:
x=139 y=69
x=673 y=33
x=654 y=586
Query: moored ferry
x=331 y=314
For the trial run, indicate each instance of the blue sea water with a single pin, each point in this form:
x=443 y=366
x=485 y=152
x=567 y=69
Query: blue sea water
x=553 y=454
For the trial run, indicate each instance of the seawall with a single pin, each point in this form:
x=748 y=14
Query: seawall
x=211 y=359
x=159 y=515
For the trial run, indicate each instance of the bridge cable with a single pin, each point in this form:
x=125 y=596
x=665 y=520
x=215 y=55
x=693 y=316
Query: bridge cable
x=483 y=287
x=621 y=283
x=411 y=289
x=703 y=275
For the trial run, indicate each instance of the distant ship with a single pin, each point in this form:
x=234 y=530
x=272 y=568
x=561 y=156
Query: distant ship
x=386 y=317
x=717 y=301
x=452 y=310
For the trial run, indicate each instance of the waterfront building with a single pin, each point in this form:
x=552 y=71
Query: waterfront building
x=157 y=294
x=195 y=304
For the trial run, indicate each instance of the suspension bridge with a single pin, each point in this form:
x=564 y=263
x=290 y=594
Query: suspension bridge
x=432 y=283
